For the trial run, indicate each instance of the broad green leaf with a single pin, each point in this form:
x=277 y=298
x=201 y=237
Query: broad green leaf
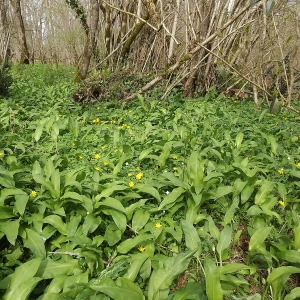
x=74 y=284
x=195 y=169
x=144 y=154
x=231 y=212
x=212 y=280
x=110 y=190
x=38 y=132
x=296 y=230
x=10 y=229
x=139 y=219
x=21 y=202
x=171 y=197
x=246 y=193
x=213 y=229
x=232 y=268
x=118 y=217
x=121 y=289
x=22 y=275
x=224 y=240
x=295 y=173
x=6 y=192
x=57 y=223
x=294 y=294
x=55 y=180
x=162 y=278
x=164 y=154
x=112 y=203
x=175 y=180
x=239 y=139
x=119 y=165
x=192 y=239
x=128 y=244
x=6 y=212
x=289 y=255
x=264 y=192
x=35 y=243
x=258 y=238
x=50 y=268
x=56 y=285
x=282 y=271
x=192 y=290
x=222 y=191
x=148 y=189
x=72 y=195
x=136 y=262
x=90 y=224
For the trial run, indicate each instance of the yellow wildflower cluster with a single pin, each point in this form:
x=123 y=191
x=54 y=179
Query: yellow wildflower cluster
x=139 y=176
x=281 y=171
x=106 y=163
x=97 y=156
x=124 y=126
x=141 y=248
x=131 y=184
x=97 y=120
x=33 y=193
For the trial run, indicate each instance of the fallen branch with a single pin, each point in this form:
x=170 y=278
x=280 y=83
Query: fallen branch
x=186 y=57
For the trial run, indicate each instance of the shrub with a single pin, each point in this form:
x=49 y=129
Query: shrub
x=5 y=79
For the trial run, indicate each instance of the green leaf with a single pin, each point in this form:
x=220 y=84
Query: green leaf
x=192 y=239
x=139 y=219
x=294 y=294
x=224 y=240
x=175 y=180
x=118 y=217
x=110 y=190
x=6 y=192
x=112 y=203
x=55 y=180
x=148 y=189
x=6 y=212
x=212 y=277
x=239 y=139
x=222 y=191
x=10 y=229
x=263 y=192
x=289 y=255
x=123 y=289
x=213 y=229
x=73 y=196
x=38 y=132
x=258 y=238
x=35 y=243
x=127 y=245
x=171 y=197
x=50 y=268
x=192 y=290
x=57 y=223
x=22 y=281
x=136 y=262
x=21 y=202
x=232 y=268
x=281 y=271
x=162 y=278
x=295 y=173
x=231 y=212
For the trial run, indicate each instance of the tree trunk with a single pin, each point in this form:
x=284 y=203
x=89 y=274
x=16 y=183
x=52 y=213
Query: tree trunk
x=24 y=52
x=90 y=42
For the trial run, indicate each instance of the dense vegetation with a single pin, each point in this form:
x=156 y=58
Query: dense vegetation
x=181 y=199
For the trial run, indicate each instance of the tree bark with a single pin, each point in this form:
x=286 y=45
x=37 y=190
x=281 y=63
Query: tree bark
x=90 y=42
x=24 y=52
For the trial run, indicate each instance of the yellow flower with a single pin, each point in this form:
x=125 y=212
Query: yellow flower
x=141 y=248
x=97 y=168
x=282 y=203
x=131 y=184
x=174 y=156
x=129 y=174
x=128 y=126
x=139 y=176
x=98 y=108
x=158 y=225
x=281 y=171
x=174 y=169
x=33 y=193
x=97 y=120
x=1 y=154
x=82 y=121
x=97 y=156
x=106 y=163
x=298 y=164
x=103 y=147
x=80 y=157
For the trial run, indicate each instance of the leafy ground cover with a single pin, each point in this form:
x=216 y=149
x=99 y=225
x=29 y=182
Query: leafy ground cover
x=150 y=200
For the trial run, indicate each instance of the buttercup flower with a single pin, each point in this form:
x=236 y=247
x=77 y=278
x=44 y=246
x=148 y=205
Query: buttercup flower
x=139 y=176
x=1 y=154
x=131 y=184
x=175 y=157
x=158 y=225
x=97 y=156
x=281 y=171
x=282 y=203
x=97 y=120
x=80 y=157
x=141 y=248
x=298 y=164
x=129 y=174
x=33 y=193
x=106 y=163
